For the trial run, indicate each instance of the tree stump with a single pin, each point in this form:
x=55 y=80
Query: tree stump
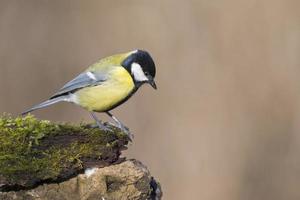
x=38 y=157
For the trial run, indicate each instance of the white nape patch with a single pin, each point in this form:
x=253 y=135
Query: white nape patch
x=134 y=51
x=90 y=171
x=138 y=72
x=91 y=75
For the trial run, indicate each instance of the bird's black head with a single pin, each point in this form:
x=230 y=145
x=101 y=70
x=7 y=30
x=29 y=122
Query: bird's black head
x=141 y=67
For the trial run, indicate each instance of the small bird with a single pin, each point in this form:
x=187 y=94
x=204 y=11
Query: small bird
x=106 y=84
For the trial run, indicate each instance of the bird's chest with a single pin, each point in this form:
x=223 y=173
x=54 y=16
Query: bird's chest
x=108 y=94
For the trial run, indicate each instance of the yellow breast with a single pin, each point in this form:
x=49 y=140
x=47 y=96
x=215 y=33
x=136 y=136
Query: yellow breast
x=105 y=96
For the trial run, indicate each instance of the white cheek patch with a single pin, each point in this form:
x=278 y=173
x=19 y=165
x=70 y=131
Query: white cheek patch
x=138 y=73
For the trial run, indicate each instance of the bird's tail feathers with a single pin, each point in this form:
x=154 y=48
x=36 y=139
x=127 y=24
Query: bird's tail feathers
x=46 y=103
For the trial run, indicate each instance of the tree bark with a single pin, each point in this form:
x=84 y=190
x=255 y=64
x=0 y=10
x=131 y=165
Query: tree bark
x=129 y=180
x=34 y=152
x=43 y=160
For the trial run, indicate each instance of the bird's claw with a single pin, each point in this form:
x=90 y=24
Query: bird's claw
x=107 y=129
x=128 y=133
x=101 y=127
x=124 y=129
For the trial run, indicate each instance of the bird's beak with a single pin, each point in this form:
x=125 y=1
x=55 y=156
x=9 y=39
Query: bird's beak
x=152 y=82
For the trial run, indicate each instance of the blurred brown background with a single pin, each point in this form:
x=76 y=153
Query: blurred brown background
x=224 y=123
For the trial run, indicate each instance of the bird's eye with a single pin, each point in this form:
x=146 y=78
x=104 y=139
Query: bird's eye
x=146 y=73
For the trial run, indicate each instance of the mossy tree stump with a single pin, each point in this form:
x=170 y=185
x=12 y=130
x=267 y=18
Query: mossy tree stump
x=36 y=151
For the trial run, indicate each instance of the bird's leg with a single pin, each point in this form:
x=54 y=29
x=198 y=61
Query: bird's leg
x=120 y=125
x=99 y=124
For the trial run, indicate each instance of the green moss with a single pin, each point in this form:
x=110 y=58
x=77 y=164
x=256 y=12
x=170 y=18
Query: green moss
x=33 y=150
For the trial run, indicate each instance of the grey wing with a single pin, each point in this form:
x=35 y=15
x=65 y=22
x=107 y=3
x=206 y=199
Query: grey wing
x=82 y=80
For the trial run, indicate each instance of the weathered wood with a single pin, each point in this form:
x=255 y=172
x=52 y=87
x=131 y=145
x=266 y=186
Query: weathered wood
x=34 y=152
x=127 y=180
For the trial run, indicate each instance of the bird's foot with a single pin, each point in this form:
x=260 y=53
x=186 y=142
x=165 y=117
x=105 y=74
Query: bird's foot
x=101 y=126
x=106 y=129
x=124 y=129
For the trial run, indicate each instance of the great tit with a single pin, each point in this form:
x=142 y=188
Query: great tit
x=107 y=84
